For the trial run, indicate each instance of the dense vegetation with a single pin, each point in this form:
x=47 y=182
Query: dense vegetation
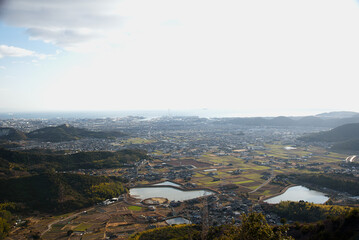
x=350 y=145
x=341 y=227
x=67 y=133
x=5 y=218
x=11 y=134
x=253 y=227
x=55 y=192
x=304 y=211
x=12 y=162
x=345 y=138
x=172 y=232
x=342 y=183
x=56 y=134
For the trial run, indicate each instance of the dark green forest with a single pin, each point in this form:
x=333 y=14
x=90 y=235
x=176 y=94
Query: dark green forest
x=304 y=211
x=345 y=138
x=59 y=192
x=5 y=218
x=255 y=227
x=59 y=133
x=342 y=183
x=17 y=162
x=68 y=133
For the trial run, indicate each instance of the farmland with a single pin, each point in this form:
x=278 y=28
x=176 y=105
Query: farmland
x=242 y=164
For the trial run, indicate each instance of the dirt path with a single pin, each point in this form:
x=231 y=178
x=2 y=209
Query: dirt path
x=49 y=226
x=263 y=184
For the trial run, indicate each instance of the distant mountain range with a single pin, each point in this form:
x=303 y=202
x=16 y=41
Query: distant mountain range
x=345 y=137
x=330 y=120
x=66 y=132
x=341 y=114
x=60 y=133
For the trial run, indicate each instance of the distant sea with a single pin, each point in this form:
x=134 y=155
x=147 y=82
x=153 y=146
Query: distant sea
x=204 y=113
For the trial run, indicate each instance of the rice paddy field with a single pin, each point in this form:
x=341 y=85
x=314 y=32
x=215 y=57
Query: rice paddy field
x=255 y=170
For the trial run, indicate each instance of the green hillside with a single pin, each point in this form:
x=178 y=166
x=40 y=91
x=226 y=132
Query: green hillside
x=351 y=145
x=11 y=134
x=344 y=138
x=338 y=182
x=255 y=227
x=66 y=132
x=17 y=161
x=55 y=192
x=60 y=133
x=342 y=133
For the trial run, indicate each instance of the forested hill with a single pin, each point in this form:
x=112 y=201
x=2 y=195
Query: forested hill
x=55 y=192
x=15 y=162
x=344 y=138
x=255 y=227
x=342 y=133
x=11 y=134
x=66 y=132
x=59 y=133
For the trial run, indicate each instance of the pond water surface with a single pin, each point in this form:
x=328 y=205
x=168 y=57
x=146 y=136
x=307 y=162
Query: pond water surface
x=298 y=193
x=171 y=193
x=178 y=220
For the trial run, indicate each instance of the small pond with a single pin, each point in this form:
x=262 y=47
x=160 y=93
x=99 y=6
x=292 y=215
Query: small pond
x=298 y=193
x=171 y=193
x=178 y=220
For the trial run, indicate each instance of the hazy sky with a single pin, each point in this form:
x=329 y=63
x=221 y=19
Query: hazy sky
x=257 y=56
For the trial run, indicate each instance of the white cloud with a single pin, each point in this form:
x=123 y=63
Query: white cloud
x=256 y=27
x=10 y=51
x=2 y=67
x=64 y=23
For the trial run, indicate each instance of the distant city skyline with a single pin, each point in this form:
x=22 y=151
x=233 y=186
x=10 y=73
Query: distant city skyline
x=253 y=58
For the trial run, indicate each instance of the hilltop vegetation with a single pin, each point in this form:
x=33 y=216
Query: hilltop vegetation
x=11 y=134
x=5 y=218
x=345 y=137
x=255 y=227
x=338 y=134
x=16 y=162
x=66 y=132
x=60 y=133
x=304 y=211
x=342 y=183
x=340 y=227
x=346 y=146
x=55 y=192
x=30 y=178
